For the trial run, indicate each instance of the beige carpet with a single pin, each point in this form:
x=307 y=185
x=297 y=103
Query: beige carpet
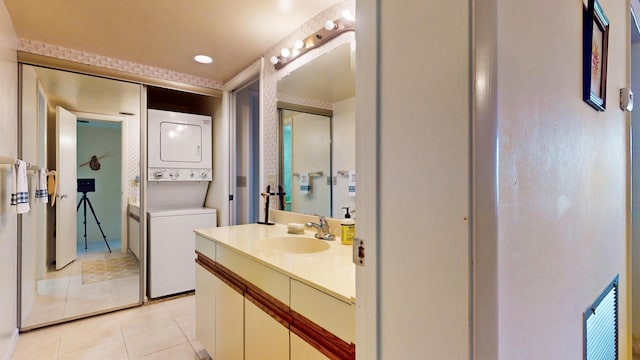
x=109 y=269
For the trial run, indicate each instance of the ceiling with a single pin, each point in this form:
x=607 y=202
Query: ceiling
x=77 y=92
x=330 y=77
x=166 y=33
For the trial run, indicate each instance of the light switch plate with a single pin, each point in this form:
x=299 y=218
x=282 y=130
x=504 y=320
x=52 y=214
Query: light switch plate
x=626 y=99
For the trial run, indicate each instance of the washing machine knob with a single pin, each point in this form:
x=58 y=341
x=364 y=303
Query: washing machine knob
x=158 y=174
x=177 y=174
x=203 y=174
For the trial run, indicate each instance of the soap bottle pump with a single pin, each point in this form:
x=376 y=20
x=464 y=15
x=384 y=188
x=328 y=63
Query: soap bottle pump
x=348 y=228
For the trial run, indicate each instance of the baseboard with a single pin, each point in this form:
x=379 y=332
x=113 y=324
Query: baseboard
x=12 y=345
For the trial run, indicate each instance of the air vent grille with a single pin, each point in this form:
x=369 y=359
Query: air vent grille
x=601 y=325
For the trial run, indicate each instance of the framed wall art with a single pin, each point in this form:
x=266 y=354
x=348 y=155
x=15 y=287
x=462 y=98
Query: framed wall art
x=594 y=59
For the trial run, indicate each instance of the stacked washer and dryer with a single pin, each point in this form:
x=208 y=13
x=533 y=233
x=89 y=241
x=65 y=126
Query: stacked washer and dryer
x=179 y=173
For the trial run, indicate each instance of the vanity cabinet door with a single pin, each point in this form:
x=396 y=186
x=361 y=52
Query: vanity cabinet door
x=301 y=350
x=229 y=320
x=265 y=338
x=205 y=309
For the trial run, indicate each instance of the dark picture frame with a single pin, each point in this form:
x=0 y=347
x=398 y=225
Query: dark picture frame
x=595 y=54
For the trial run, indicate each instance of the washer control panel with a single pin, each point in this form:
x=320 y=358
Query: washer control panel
x=167 y=174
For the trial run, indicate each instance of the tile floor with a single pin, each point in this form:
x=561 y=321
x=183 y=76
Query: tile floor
x=159 y=330
x=62 y=294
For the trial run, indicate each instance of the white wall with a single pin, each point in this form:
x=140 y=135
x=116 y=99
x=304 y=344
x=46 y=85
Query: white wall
x=344 y=153
x=8 y=147
x=562 y=176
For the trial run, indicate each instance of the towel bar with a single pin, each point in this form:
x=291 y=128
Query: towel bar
x=6 y=160
x=317 y=173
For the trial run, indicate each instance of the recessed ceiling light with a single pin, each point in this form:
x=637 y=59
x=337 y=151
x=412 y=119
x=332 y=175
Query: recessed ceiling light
x=203 y=59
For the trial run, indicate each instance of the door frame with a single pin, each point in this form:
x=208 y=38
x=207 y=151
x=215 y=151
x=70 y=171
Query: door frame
x=252 y=73
x=124 y=166
x=633 y=243
x=244 y=208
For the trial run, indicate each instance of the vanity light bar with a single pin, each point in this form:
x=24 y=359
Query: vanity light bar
x=341 y=25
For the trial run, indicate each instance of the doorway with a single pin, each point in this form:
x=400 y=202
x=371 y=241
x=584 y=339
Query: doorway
x=99 y=159
x=246 y=154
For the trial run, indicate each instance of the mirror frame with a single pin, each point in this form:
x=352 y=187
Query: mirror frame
x=281 y=106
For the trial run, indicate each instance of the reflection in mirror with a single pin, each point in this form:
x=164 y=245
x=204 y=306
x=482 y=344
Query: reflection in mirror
x=66 y=274
x=317 y=134
x=306 y=162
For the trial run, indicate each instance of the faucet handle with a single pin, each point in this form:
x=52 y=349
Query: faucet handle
x=323 y=221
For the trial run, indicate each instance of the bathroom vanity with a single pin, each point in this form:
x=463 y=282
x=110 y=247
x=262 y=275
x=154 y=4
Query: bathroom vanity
x=262 y=293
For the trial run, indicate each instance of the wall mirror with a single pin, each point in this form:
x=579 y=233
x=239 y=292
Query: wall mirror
x=85 y=128
x=316 y=108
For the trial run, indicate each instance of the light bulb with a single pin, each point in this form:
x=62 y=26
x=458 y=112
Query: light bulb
x=285 y=52
x=347 y=15
x=298 y=44
x=274 y=60
x=329 y=25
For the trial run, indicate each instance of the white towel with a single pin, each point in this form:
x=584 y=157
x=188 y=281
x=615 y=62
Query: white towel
x=352 y=183
x=305 y=186
x=41 y=186
x=20 y=191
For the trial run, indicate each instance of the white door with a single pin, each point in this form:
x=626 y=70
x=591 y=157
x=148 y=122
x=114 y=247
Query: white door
x=311 y=153
x=66 y=168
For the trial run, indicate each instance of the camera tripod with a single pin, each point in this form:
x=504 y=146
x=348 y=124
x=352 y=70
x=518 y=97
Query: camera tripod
x=84 y=201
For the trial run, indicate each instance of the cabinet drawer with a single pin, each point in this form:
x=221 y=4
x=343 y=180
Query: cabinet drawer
x=206 y=247
x=336 y=316
x=263 y=277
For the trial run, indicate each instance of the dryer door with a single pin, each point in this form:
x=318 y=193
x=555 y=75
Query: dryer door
x=180 y=142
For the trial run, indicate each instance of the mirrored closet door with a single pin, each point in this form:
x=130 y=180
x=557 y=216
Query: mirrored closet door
x=80 y=135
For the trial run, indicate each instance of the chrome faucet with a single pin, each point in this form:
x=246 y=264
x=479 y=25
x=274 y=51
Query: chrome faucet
x=322 y=229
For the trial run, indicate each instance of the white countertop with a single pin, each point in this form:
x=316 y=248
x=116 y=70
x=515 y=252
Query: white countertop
x=331 y=271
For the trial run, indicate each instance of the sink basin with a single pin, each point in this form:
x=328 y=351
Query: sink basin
x=293 y=244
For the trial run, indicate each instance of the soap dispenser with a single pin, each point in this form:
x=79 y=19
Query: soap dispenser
x=348 y=228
